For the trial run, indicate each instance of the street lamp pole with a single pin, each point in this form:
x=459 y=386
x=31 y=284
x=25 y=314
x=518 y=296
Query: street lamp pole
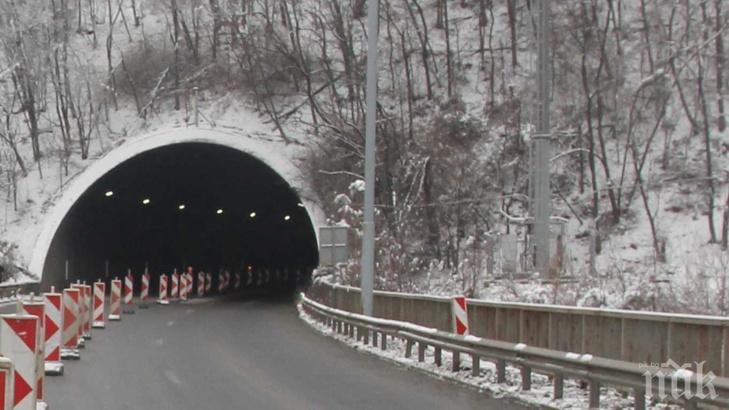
x=368 y=240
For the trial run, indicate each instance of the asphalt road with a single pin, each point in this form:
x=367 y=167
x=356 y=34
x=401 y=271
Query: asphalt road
x=224 y=354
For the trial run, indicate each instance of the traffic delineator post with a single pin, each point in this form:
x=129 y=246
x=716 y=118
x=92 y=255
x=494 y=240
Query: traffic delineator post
x=163 y=290
x=201 y=284
x=35 y=307
x=19 y=341
x=115 y=311
x=99 y=295
x=460 y=315
x=208 y=283
x=7 y=376
x=71 y=324
x=175 y=288
x=128 y=294
x=53 y=336
x=144 y=291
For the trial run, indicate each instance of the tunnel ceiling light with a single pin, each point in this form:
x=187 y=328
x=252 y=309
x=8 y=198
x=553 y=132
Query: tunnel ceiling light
x=109 y=193
x=146 y=201
x=181 y=207
x=252 y=214
x=287 y=217
x=219 y=212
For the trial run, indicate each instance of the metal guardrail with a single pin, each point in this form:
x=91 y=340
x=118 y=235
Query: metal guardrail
x=639 y=337
x=596 y=371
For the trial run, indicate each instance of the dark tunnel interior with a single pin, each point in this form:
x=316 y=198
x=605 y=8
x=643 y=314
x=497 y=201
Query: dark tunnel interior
x=193 y=204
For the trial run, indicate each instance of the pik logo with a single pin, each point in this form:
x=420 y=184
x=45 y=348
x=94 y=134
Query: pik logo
x=680 y=379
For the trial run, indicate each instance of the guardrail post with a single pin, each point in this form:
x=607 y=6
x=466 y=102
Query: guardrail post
x=639 y=399
x=408 y=348
x=383 y=341
x=421 y=351
x=475 y=365
x=501 y=371
x=351 y=331
x=594 y=394
x=374 y=338
x=526 y=378
x=456 y=361
x=366 y=336
x=558 y=386
x=438 y=355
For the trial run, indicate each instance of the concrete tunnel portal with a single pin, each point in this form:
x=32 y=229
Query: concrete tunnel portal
x=188 y=203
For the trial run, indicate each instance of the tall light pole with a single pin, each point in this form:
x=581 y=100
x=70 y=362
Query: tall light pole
x=541 y=201
x=368 y=239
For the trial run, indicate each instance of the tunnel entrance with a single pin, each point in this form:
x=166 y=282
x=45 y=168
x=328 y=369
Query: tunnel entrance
x=187 y=204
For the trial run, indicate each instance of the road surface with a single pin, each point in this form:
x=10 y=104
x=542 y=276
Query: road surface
x=236 y=354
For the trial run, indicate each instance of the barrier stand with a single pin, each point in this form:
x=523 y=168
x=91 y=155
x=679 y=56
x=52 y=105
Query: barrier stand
x=175 y=289
x=163 y=290
x=7 y=374
x=183 y=287
x=144 y=291
x=35 y=307
x=208 y=283
x=99 y=295
x=237 y=281
x=81 y=313
x=115 y=311
x=129 y=293
x=53 y=338
x=201 y=284
x=19 y=341
x=71 y=324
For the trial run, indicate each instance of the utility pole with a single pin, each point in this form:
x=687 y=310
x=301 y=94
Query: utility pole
x=368 y=239
x=541 y=201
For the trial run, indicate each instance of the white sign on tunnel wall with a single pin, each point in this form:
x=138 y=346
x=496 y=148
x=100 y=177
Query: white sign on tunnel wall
x=333 y=245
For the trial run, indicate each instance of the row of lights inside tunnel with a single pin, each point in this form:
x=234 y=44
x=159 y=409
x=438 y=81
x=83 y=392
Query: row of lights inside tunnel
x=219 y=211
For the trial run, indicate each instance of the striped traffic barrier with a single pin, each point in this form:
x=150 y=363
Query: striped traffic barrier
x=128 y=294
x=144 y=291
x=175 y=288
x=71 y=324
x=226 y=275
x=201 y=284
x=81 y=313
x=163 y=290
x=190 y=284
x=460 y=315
x=19 y=341
x=115 y=311
x=53 y=337
x=236 y=285
x=221 y=282
x=99 y=295
x=208 y=282
x=7 y=376
x=35 y=307
x=183 y=287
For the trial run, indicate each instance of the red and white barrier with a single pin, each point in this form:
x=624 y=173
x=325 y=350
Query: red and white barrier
x=190 y=284
x=221 y=282
x=208 y=283
x=82 y=314
x=128 y=294
x=99 y=295
x=201 y=284
x=144 y=291
x=71 y=323
x=115 y=311
x=163 y=289
x=53 y=338
x=236 y=286
x=175 y=289
x=460 y=315
x=36 y=307
x=19 y=341
x=7 y=376
x=183 y=287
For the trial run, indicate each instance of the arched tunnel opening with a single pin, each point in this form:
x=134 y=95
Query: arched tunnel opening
x=203 y=205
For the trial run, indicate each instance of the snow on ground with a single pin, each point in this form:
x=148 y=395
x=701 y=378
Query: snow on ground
x=575 y=396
